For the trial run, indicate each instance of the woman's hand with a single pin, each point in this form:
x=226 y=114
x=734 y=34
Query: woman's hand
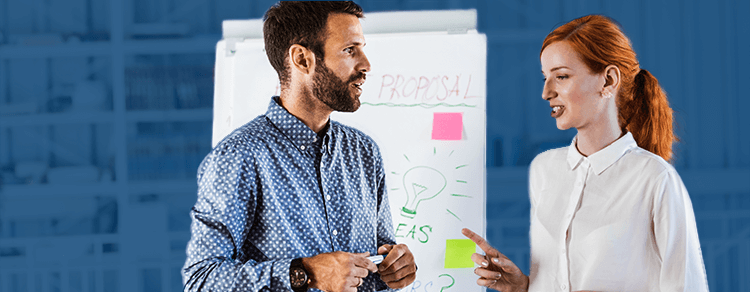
x=496 y=271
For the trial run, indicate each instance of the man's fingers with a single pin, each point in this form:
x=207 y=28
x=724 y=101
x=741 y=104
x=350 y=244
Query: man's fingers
x=351 y=285
x=486 y=247
x=383 y=249
x=403 y=261
x=487 y=274
x=360 y=260
x=358 y=272
x=402 y=283
x=393 y=255
x=399 y=274
x=398 y=269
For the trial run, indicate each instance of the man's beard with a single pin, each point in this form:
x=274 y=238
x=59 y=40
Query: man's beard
x=336 y=94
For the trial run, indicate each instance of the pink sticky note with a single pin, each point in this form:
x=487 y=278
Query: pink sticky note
x=447 y=126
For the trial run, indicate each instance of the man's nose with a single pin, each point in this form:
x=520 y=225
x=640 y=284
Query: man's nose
x=364 y=64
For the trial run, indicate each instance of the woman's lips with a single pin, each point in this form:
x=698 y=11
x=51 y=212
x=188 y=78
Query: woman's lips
x=557 y=111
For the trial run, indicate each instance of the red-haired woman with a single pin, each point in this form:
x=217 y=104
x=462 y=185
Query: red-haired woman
x=608 y=212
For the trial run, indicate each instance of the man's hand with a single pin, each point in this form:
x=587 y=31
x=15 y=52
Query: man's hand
x=338 y=271
x=496 y=271
x=398 y=269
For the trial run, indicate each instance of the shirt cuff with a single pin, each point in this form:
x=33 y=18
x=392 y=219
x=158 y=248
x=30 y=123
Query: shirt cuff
x=280 y=275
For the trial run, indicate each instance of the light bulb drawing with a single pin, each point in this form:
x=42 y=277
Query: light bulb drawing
x=421 y=183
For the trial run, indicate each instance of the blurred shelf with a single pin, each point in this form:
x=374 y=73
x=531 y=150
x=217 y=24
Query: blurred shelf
x=57 y=50
x=187 y=186
x=56 y=119
x=198 y=44
x=56 y=191
x=117 y=54
x=203 y=44
x=174 y=115
x=84 y=251
x=36 y=240
x=44 y=191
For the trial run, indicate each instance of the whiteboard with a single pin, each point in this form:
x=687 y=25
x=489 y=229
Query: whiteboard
x=435 y=179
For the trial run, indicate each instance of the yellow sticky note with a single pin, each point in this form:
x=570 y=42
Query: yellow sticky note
x=458 y=253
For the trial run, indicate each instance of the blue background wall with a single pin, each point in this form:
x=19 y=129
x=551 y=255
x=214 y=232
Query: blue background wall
x=105 y=113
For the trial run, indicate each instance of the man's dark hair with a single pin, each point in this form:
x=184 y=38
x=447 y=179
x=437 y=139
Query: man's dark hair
x=299 y=22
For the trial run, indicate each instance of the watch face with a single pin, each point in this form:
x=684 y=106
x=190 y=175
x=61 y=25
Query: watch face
x=298 y=277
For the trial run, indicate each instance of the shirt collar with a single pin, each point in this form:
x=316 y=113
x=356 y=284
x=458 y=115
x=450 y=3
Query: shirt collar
x=294 y=129
x=602 y=159
x=327 y=141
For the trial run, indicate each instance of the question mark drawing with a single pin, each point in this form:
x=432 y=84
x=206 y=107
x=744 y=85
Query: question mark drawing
x=453 y=281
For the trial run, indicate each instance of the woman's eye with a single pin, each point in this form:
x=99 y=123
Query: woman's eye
x=562 y=77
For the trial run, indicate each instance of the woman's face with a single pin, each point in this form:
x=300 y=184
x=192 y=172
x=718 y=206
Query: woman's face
x=573 y=91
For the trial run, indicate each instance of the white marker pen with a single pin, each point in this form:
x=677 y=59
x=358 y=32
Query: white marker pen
x=376 y=259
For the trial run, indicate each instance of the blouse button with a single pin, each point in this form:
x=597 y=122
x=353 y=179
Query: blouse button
x=302 y=147
x=335 y=232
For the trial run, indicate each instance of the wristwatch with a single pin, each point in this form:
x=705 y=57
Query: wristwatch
x=298 y=276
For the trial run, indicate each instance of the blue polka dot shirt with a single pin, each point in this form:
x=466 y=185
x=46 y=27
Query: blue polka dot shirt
x=274 y=190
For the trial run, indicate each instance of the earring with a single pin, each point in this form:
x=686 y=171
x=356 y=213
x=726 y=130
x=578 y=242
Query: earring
x=607 y=94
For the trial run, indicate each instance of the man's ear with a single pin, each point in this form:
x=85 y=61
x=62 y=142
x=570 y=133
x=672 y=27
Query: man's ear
x=611 y=79
x=302 y=59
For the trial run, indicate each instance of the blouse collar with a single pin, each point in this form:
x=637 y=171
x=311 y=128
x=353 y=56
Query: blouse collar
x=602 y=159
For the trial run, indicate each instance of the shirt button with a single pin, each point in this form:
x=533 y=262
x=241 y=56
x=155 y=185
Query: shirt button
x=563 y=287
x=328 y=197
x=335 y=232
x=563 y=251
x=302 y=147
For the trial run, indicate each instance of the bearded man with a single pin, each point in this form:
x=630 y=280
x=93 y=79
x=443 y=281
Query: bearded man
x=293 y=200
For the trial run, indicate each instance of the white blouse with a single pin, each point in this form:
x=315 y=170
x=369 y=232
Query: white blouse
x=618 y=220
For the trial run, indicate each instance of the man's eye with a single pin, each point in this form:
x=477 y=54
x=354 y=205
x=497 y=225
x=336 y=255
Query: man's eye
x=349 y=50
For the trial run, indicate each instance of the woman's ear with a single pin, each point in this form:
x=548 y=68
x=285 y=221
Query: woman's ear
x=301 y=58
x=611 y=81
